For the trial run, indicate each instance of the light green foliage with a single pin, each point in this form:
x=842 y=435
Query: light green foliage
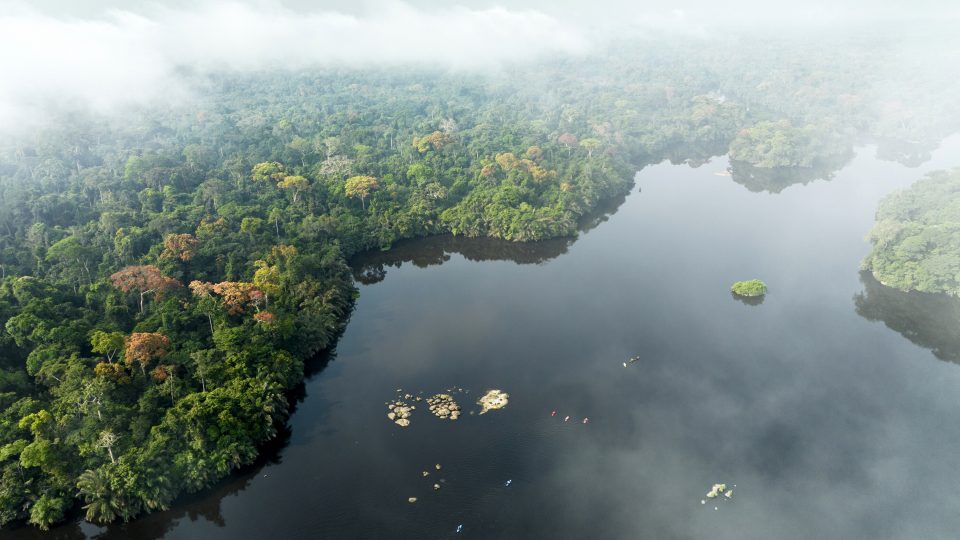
x=751 y=287
x=109 y=344
x=916 y=240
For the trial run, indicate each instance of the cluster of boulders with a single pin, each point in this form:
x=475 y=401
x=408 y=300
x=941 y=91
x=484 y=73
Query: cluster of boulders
x=493 y=399
x=718 y=492
x=719 y=489
x=444 y=407
x=400 y=412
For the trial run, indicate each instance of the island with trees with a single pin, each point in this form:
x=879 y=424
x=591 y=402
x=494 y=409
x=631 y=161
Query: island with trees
x=916 y=240
x=749 y=288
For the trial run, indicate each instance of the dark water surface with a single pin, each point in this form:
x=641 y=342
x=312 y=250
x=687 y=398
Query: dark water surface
x=834 y=405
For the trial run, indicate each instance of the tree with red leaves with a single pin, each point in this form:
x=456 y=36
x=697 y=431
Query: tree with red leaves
x=569 y=140
x=145 y=347
x=143 y=279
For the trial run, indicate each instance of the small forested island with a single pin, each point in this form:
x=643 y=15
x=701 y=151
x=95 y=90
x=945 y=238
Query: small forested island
x=165 y=273
x=916 y=240
x=749 y=288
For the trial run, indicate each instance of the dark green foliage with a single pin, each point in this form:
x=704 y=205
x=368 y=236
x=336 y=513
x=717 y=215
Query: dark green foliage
x=916 y=241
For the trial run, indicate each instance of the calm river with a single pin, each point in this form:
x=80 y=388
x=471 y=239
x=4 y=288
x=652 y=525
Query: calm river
x=833 y=406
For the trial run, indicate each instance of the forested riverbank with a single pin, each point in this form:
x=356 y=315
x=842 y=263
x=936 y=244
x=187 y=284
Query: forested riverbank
x=164 y=274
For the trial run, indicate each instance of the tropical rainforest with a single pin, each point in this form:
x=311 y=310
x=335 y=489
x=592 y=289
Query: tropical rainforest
x=916 y=241
x=165 y=274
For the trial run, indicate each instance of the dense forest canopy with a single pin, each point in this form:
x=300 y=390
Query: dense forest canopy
x=916 y=241
x=164 y=274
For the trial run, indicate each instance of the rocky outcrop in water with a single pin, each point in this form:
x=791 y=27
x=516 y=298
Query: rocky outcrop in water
x=400 y=412
x=493 y=399
x=444 y=407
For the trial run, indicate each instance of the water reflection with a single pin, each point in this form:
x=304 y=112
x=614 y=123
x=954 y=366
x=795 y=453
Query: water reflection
x=748 y=300
x=777 y=179
x=371 y=267
x=931 y=321
x=909 y=154
x=697 y=154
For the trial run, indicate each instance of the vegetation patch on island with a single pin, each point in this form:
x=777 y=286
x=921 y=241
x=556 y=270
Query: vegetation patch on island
x=749 y=288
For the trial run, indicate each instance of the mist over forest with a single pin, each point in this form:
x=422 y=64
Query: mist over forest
x=192 y=194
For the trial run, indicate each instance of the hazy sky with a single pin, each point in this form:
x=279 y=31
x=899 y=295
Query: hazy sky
x=107 y=53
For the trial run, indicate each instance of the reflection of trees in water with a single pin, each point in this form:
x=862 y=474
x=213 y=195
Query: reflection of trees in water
x=748 y=300
x=697 y=154
x=776 y=179
x=908 y=154
x=929 y=320
x=371 y=267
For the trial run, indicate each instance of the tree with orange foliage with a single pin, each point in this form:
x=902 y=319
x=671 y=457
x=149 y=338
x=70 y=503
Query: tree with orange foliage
x=237 y=296
x=435 y=140
x=179 y=246
x=488 y=170
x=265 y=317
x=145 y=347
x=143 y=279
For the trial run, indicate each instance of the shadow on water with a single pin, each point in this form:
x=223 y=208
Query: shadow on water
x=907 y=153
x=371 y=266
x=697 y=154
x=748 y=300
x=929 y=320
x=777 y=179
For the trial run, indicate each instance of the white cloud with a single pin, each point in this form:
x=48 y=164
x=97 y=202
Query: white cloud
x=122 y=57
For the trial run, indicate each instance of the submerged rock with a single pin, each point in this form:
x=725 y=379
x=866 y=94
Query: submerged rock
x=493 y=399
x=412 y=500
